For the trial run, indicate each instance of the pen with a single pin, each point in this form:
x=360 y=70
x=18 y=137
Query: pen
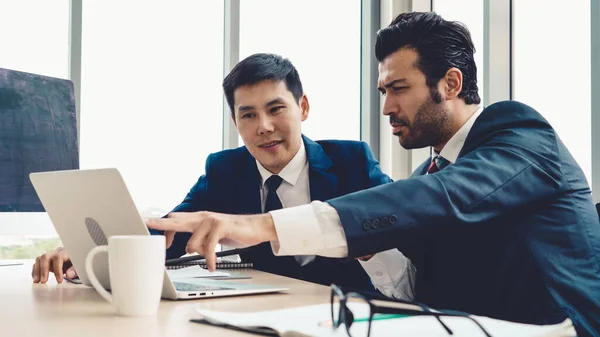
x=376 y=317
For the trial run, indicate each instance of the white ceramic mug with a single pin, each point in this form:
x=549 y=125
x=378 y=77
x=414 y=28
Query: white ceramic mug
x=136 y=265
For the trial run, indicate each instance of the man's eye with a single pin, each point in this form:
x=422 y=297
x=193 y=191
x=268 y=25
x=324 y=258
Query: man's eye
x=276 y=109
x=248 y=115
x=399 y=89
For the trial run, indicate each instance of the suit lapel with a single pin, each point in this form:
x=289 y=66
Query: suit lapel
x=422 y=169
x=248 y=191
x=322 y=182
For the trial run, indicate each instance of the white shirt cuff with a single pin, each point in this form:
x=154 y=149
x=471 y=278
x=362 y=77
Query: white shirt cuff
x=313 y=229
x=392 y=273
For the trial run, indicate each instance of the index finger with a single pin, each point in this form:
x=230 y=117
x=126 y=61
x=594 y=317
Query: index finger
x=44 y=268
x=170 y=224
x=209 y=252
x=57 y=265
x=35 y=272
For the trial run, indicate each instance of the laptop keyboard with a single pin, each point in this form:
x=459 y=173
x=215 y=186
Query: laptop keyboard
x=195 y=287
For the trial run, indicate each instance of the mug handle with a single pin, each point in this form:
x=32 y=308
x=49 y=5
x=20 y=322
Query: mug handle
x=90 y=272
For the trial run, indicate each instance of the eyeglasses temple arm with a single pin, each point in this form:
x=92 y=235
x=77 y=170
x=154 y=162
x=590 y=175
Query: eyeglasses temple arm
x=388 y=310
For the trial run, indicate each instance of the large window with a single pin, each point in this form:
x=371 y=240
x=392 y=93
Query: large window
x=151 y=94
x=470 y=13
x=34 y=35
x=322 y=39
x=551 y=69
x=151 y=97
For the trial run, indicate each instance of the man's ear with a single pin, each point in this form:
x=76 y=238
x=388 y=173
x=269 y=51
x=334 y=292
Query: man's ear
x=453 y=81
x=305 y=106
x=233 y=120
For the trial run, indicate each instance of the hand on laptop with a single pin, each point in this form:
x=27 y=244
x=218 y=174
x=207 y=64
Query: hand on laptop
x=55 y=261
x=210 y=229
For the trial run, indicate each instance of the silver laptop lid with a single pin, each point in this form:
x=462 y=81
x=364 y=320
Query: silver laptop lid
x=86 y=207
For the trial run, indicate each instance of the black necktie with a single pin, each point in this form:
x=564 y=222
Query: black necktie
x=262 y=255
x=273 y=202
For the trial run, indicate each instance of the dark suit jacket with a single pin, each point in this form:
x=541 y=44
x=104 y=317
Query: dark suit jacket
x=508 y=231
x=232 y=185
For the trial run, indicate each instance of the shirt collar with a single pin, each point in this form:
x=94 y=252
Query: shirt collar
x=291 y=172
x=451 y=150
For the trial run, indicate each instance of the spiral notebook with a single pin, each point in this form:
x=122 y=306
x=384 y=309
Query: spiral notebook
x=220 y=265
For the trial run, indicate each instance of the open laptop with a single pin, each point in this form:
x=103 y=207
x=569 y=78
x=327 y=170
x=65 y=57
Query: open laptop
x=88 y=206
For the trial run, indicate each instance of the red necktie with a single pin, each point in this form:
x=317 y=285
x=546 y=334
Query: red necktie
x=437 y=164
x=432 y=167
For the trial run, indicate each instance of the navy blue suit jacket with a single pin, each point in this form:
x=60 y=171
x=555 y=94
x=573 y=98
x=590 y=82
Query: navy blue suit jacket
x=508 y=231
x=232 y=185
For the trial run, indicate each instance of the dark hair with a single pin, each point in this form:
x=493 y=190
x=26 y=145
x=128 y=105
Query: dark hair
x=262 y=67
x=440 y=45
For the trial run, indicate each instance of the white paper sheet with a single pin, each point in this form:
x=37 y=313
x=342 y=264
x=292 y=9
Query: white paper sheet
x=304 y=321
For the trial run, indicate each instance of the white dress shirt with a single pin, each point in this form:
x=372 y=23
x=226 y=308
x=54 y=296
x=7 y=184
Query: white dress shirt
x=293 y=191
x=316 y=229
x=452 y=149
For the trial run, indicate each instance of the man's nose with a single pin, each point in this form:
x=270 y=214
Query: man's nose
x=389 y=108
x=265 y=126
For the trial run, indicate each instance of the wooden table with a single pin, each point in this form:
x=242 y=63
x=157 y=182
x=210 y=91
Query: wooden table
x=66 y=309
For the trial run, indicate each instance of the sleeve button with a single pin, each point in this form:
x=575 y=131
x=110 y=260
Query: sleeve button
x=366 y=225
x=385 y=221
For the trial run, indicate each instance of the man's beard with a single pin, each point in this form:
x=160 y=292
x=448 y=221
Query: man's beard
x=429 y=128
